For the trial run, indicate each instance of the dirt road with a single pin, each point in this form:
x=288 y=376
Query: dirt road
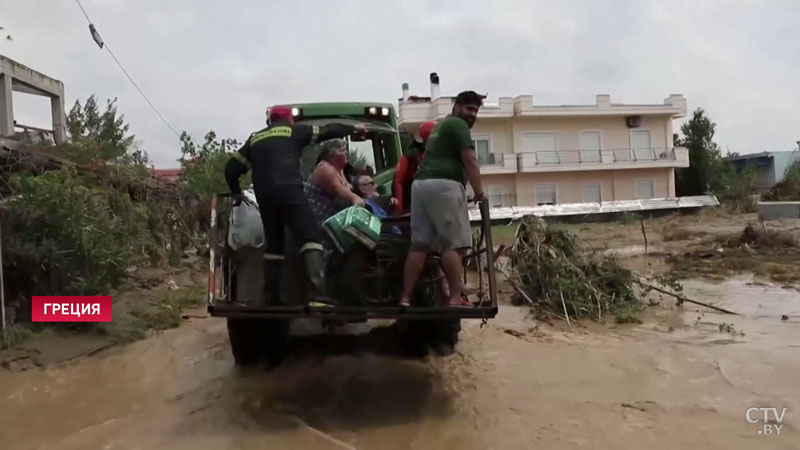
x=514 y=384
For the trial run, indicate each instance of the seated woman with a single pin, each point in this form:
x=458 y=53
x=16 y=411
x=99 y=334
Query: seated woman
x=329 y=174
x=328 y=190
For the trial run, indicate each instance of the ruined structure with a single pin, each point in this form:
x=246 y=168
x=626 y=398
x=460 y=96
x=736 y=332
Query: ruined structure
x=17 y=77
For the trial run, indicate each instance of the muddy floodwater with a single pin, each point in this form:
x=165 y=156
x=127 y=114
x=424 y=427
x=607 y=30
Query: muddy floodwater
x=682 y=379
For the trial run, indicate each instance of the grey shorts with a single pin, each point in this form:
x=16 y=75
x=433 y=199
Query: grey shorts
x=439 y=216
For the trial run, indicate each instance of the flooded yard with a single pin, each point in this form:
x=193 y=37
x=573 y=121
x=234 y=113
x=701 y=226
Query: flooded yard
x=684 y=378
x=676 y=381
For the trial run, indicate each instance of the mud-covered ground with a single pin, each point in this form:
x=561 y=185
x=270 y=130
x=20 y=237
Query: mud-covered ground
x=682 y=379
x=704 y=244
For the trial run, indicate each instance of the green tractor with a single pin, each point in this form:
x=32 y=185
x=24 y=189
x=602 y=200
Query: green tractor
x=365 y=277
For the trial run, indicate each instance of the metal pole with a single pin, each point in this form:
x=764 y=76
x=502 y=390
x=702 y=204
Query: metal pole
x=2 y=285
x=487 y=236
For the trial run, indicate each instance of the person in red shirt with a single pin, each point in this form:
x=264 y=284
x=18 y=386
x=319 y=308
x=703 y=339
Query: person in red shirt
x=407 y=166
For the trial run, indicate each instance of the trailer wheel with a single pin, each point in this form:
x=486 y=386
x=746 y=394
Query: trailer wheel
x=252 y=340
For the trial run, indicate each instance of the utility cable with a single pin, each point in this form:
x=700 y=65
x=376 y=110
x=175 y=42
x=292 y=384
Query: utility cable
x=96 y=37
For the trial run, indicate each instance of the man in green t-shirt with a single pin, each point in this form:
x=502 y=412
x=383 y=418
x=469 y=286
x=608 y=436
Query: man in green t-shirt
x=439 y=216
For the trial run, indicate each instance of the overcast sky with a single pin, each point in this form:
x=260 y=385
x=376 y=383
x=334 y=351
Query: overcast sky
x=217 y=65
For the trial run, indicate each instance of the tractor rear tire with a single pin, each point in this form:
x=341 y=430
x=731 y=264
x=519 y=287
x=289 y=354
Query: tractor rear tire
x=275 y=346
x=245 y=339
x=443 y=336
x=440 y=335
x=254 y=340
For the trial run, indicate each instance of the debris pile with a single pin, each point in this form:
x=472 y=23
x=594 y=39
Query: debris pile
x=767 y=253
x=787 y=189
x=551 y=271
x=752 y=237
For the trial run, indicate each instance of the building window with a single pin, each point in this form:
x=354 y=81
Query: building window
x=641 y=145
x=545 y=193
x=483 y=150
x=592 y=192
x=589 y=143
x=543 y=145
x=498 y=196
x=644 y=189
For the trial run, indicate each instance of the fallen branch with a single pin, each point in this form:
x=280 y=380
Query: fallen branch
x=556 y=315
x=564 y=304
x=682 y=299
x=514 y=284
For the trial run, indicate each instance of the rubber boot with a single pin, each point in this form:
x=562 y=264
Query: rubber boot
x=273 y=272
x=315 y=267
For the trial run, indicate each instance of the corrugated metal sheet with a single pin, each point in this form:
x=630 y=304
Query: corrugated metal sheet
x=570 y=209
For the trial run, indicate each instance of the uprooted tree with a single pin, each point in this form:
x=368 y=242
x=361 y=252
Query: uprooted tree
x=554 y=274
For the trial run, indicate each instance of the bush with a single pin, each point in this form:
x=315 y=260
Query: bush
x=74 y=230
x=64 y=236
x=72 y=233
x=13 y=335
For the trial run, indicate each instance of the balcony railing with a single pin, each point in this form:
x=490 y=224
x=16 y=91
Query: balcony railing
x=567 y=156
x=501 y=200
x=491 y=159
x=644 y=154
x=542 y=157
x=497 y=163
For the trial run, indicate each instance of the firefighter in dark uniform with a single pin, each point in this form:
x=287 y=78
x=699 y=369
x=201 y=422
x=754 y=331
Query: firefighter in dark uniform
x=273 y=154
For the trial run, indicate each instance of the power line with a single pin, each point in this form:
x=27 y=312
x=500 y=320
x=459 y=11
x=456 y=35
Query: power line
x=84 y=11
x=102 y=44
x=140 y=91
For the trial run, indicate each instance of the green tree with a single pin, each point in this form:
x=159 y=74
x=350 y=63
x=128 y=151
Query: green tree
x=706 y=172
x=203 y=173
x=204 y=164
x=101 y=136
x=308 y=159
x=357 y=160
